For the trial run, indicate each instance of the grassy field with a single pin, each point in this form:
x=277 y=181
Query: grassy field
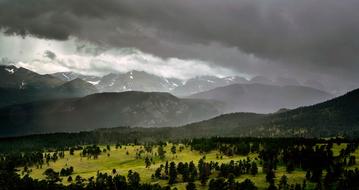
x=122 y=162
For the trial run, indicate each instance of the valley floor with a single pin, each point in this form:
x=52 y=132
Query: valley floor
x=124 y=159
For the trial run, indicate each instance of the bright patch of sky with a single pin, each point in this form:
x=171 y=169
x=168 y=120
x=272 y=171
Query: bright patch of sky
x=85 y=58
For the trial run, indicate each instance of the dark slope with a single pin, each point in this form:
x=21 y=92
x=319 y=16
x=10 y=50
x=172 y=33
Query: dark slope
x=21 y=78
x=261 y=98
x=103 y=110
x=334 y=117
x=20 y=85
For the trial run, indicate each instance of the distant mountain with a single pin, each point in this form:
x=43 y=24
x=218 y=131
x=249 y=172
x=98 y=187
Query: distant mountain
x=104 y=110
x=19 y=85
x=204 y=83
x=142 y=81
x=136 y=81
x=339 y=116
x=75 y=88
x=69 y=76
x=261 y=98
x=336 y=117
x=21 y=78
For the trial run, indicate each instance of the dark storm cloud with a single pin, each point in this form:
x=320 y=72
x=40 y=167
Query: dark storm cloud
x=319 y=36
x=49 y=54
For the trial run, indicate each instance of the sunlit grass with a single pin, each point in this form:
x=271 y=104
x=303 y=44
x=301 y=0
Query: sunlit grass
x=122 y=162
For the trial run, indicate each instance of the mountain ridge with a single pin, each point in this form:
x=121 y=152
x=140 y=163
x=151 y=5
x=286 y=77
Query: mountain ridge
x=151 y=109
x=19 y=85
x=337 y=116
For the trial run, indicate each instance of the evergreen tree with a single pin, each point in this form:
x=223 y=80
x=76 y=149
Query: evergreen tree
x=133 y=178
x=270 y=176
x=254 y=168
x=161 y=152
x=69 y=179
x=283 y=183
x=191 y=186
x=172 y=173
x=52 y=176
x=173 y=149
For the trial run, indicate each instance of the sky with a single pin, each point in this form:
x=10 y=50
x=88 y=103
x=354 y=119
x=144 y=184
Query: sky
x=312 y=41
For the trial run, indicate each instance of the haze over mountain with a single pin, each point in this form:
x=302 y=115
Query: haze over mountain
x=338 y=116
x=203 y=83
x=104 y=110
x=143 y=81
x=163 y=109
x=262 y=98
x=249 y=96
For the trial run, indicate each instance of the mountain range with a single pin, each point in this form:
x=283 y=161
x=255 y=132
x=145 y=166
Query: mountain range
x=338 y=117
x=33 y=103
x=150 y=109
x=137 y=81
x=335 y=117
x=142 y=81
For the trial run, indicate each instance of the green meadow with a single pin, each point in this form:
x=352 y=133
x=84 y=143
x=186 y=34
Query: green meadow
x=124 y=159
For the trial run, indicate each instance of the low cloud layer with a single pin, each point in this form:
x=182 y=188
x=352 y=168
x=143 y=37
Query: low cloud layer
x=49 y=56
x=307 y=38
x=122 y=61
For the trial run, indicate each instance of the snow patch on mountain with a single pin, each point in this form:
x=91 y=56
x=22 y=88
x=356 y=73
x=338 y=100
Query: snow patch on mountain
x=11 y=71
x=67 y=77
x=94 y=82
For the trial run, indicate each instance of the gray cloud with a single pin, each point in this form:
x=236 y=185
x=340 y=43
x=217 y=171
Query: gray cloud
x=261 y=37
x=49 y=54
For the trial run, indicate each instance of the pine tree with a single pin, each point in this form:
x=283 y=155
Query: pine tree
x=270 y=176
x=191 y=186
x=283 y=182
x=254 y=168
x=161 y=152
x=172 y=173
x=173 y=149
